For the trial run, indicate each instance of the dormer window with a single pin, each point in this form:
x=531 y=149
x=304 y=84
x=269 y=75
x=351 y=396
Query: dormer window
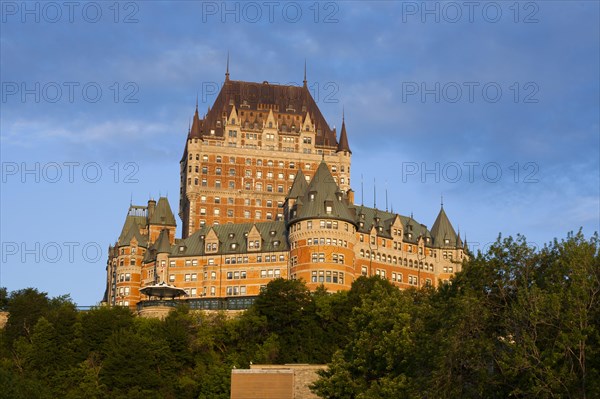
x=231 y=235
x=272 y=233
x=181 y=248
x=276 y=243
x=446 y=241
x=233 y=245
x=311 y=196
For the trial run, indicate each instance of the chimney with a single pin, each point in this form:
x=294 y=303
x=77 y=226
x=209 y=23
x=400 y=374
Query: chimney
x=350 y=196
x=151 y=208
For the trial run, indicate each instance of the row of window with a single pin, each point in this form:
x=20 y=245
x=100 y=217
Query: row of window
x=319 y=257
x=248 y=161
x=327 y=276
x=231 y=260
x=396 y=277
x=133 y=251
x=327 y=241
x=236 y=290
x=236 y=275
x=394 y=260
x=247 y=214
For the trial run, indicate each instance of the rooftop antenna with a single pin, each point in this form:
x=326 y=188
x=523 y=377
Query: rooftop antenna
x=362 y=191
x=374 y=194
x=227 y=69
x=386 y=197
x=305 y=84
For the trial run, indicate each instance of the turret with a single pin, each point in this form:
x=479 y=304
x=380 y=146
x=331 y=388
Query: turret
x=322 y=234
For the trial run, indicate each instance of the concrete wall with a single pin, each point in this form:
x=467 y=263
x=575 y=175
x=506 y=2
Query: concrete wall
x=289 y=381
x=3 y=319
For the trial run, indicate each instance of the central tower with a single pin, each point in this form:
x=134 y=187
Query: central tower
x=242 y=156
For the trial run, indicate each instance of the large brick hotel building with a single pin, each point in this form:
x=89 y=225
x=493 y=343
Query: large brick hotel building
x=265 y=193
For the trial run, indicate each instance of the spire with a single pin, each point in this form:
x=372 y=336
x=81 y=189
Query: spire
x=304 y=82
x=227 y=69
x=343 y=143
x=195 y=129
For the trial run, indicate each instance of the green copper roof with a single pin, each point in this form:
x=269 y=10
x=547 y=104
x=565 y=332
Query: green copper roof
x=135 y=220
x=299 y=186
x=162 y=244
x=273 y=239
x=323 y=199
x=442 y=230
x=162 y=213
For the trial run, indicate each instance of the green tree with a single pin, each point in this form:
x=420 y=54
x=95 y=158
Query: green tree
x=25 y=307
x=289 y=310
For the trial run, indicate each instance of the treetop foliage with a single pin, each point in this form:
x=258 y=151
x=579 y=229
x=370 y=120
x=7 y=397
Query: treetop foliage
x=515 y=322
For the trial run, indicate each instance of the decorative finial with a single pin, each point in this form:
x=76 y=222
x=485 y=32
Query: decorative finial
x=442 y=200
x=196 y=101
x=343 y=114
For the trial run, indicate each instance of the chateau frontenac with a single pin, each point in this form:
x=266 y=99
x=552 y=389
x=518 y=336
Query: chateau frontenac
x=265 y=194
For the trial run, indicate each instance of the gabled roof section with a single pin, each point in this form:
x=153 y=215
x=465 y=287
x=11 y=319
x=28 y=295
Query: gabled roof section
x=163 y=215
x=162 y=244
x=299 y=185
x=343 y=144
x=273 y=239
x=261 y=98
x=412 y=229
x=442 y=230
x=323 y=193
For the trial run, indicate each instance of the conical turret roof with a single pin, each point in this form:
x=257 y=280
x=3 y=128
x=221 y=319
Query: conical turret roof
x=324 y=199
x=343 y=143
x=442 y=230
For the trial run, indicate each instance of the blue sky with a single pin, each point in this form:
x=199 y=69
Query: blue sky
x=494 y=105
